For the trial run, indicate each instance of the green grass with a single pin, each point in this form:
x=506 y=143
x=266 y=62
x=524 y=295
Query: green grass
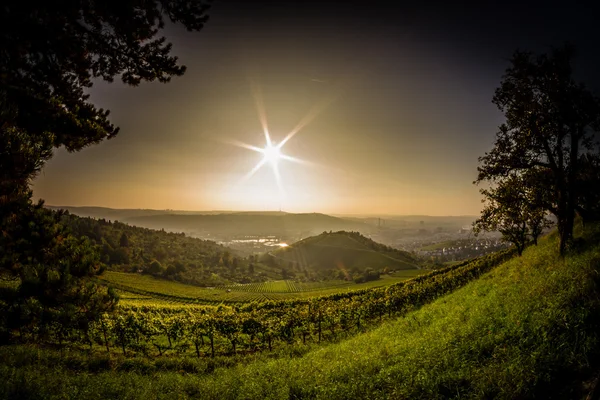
x=528 y=329
x=136 y=289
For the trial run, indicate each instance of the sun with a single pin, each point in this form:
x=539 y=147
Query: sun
x=272 y=153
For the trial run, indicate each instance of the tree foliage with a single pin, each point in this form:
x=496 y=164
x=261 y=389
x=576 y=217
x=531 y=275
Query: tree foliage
x=551 y=123
x=51 y=269
x=513 y=208
x=51 y=53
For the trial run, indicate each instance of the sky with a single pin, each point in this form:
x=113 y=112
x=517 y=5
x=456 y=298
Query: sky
x=392 y=102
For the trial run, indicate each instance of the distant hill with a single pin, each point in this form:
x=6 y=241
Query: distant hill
x=245 y=223
x=121 y=214
x=220 y=223
x=348 y=253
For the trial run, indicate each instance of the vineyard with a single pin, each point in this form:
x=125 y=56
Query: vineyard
x=148 y=287
x=153 y=329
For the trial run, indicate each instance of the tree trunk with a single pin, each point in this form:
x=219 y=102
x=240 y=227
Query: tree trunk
x=105 y=339
x=571 y=196
x=319 y=326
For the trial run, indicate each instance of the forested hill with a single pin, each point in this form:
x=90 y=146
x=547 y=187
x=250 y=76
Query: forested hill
x=163 y=254
x=346 y=253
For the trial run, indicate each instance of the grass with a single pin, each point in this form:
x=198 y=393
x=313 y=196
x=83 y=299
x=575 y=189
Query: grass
x=525 y=330
x=138 y=289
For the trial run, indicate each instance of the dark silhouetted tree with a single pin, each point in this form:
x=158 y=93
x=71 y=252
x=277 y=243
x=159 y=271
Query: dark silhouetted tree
x=54 y=291
x=124 y=240
x=52 y=52
x=589 y=188
x=514 y=209
x=550 y=124
x=50 y=55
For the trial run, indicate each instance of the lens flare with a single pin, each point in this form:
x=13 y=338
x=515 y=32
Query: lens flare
x=272 y=153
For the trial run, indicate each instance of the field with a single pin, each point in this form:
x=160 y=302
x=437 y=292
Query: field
x=140 y=289
x=526 y=328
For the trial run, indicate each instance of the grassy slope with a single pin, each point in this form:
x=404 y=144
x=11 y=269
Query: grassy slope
x=516 y=332
x=149 y=286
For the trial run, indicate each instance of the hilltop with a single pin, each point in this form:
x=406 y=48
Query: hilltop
x=344 y=254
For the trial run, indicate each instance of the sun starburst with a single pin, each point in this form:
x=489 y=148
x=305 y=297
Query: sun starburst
x=272 y=152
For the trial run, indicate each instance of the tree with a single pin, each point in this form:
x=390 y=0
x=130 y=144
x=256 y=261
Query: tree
x=124 y=240
x=550 y=124
x=588 y=186
x=54 y=291
x=50 y=55
x=514 y=209
x=155 y=268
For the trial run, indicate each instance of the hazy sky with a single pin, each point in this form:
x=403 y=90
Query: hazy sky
x=397 y=100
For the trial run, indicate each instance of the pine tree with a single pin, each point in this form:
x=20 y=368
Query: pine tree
x=50 y=54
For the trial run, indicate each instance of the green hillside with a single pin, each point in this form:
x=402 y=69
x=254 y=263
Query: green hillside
x=344 y=253
x=152 y=290
x=527 y=329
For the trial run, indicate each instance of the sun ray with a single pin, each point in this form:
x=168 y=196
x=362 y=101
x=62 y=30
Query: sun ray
x=295 y=159
x=253 y=170
x=279 y=183
x=308 y=118
x=260 y=108
x=245 y=146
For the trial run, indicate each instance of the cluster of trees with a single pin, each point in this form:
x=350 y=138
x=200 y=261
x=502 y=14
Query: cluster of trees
x=366 y=276
x=50 y=56
x=163 y=254
x=546 y=157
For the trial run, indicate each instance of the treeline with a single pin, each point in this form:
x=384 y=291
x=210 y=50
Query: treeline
x=163 y=254
x=259 y=326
